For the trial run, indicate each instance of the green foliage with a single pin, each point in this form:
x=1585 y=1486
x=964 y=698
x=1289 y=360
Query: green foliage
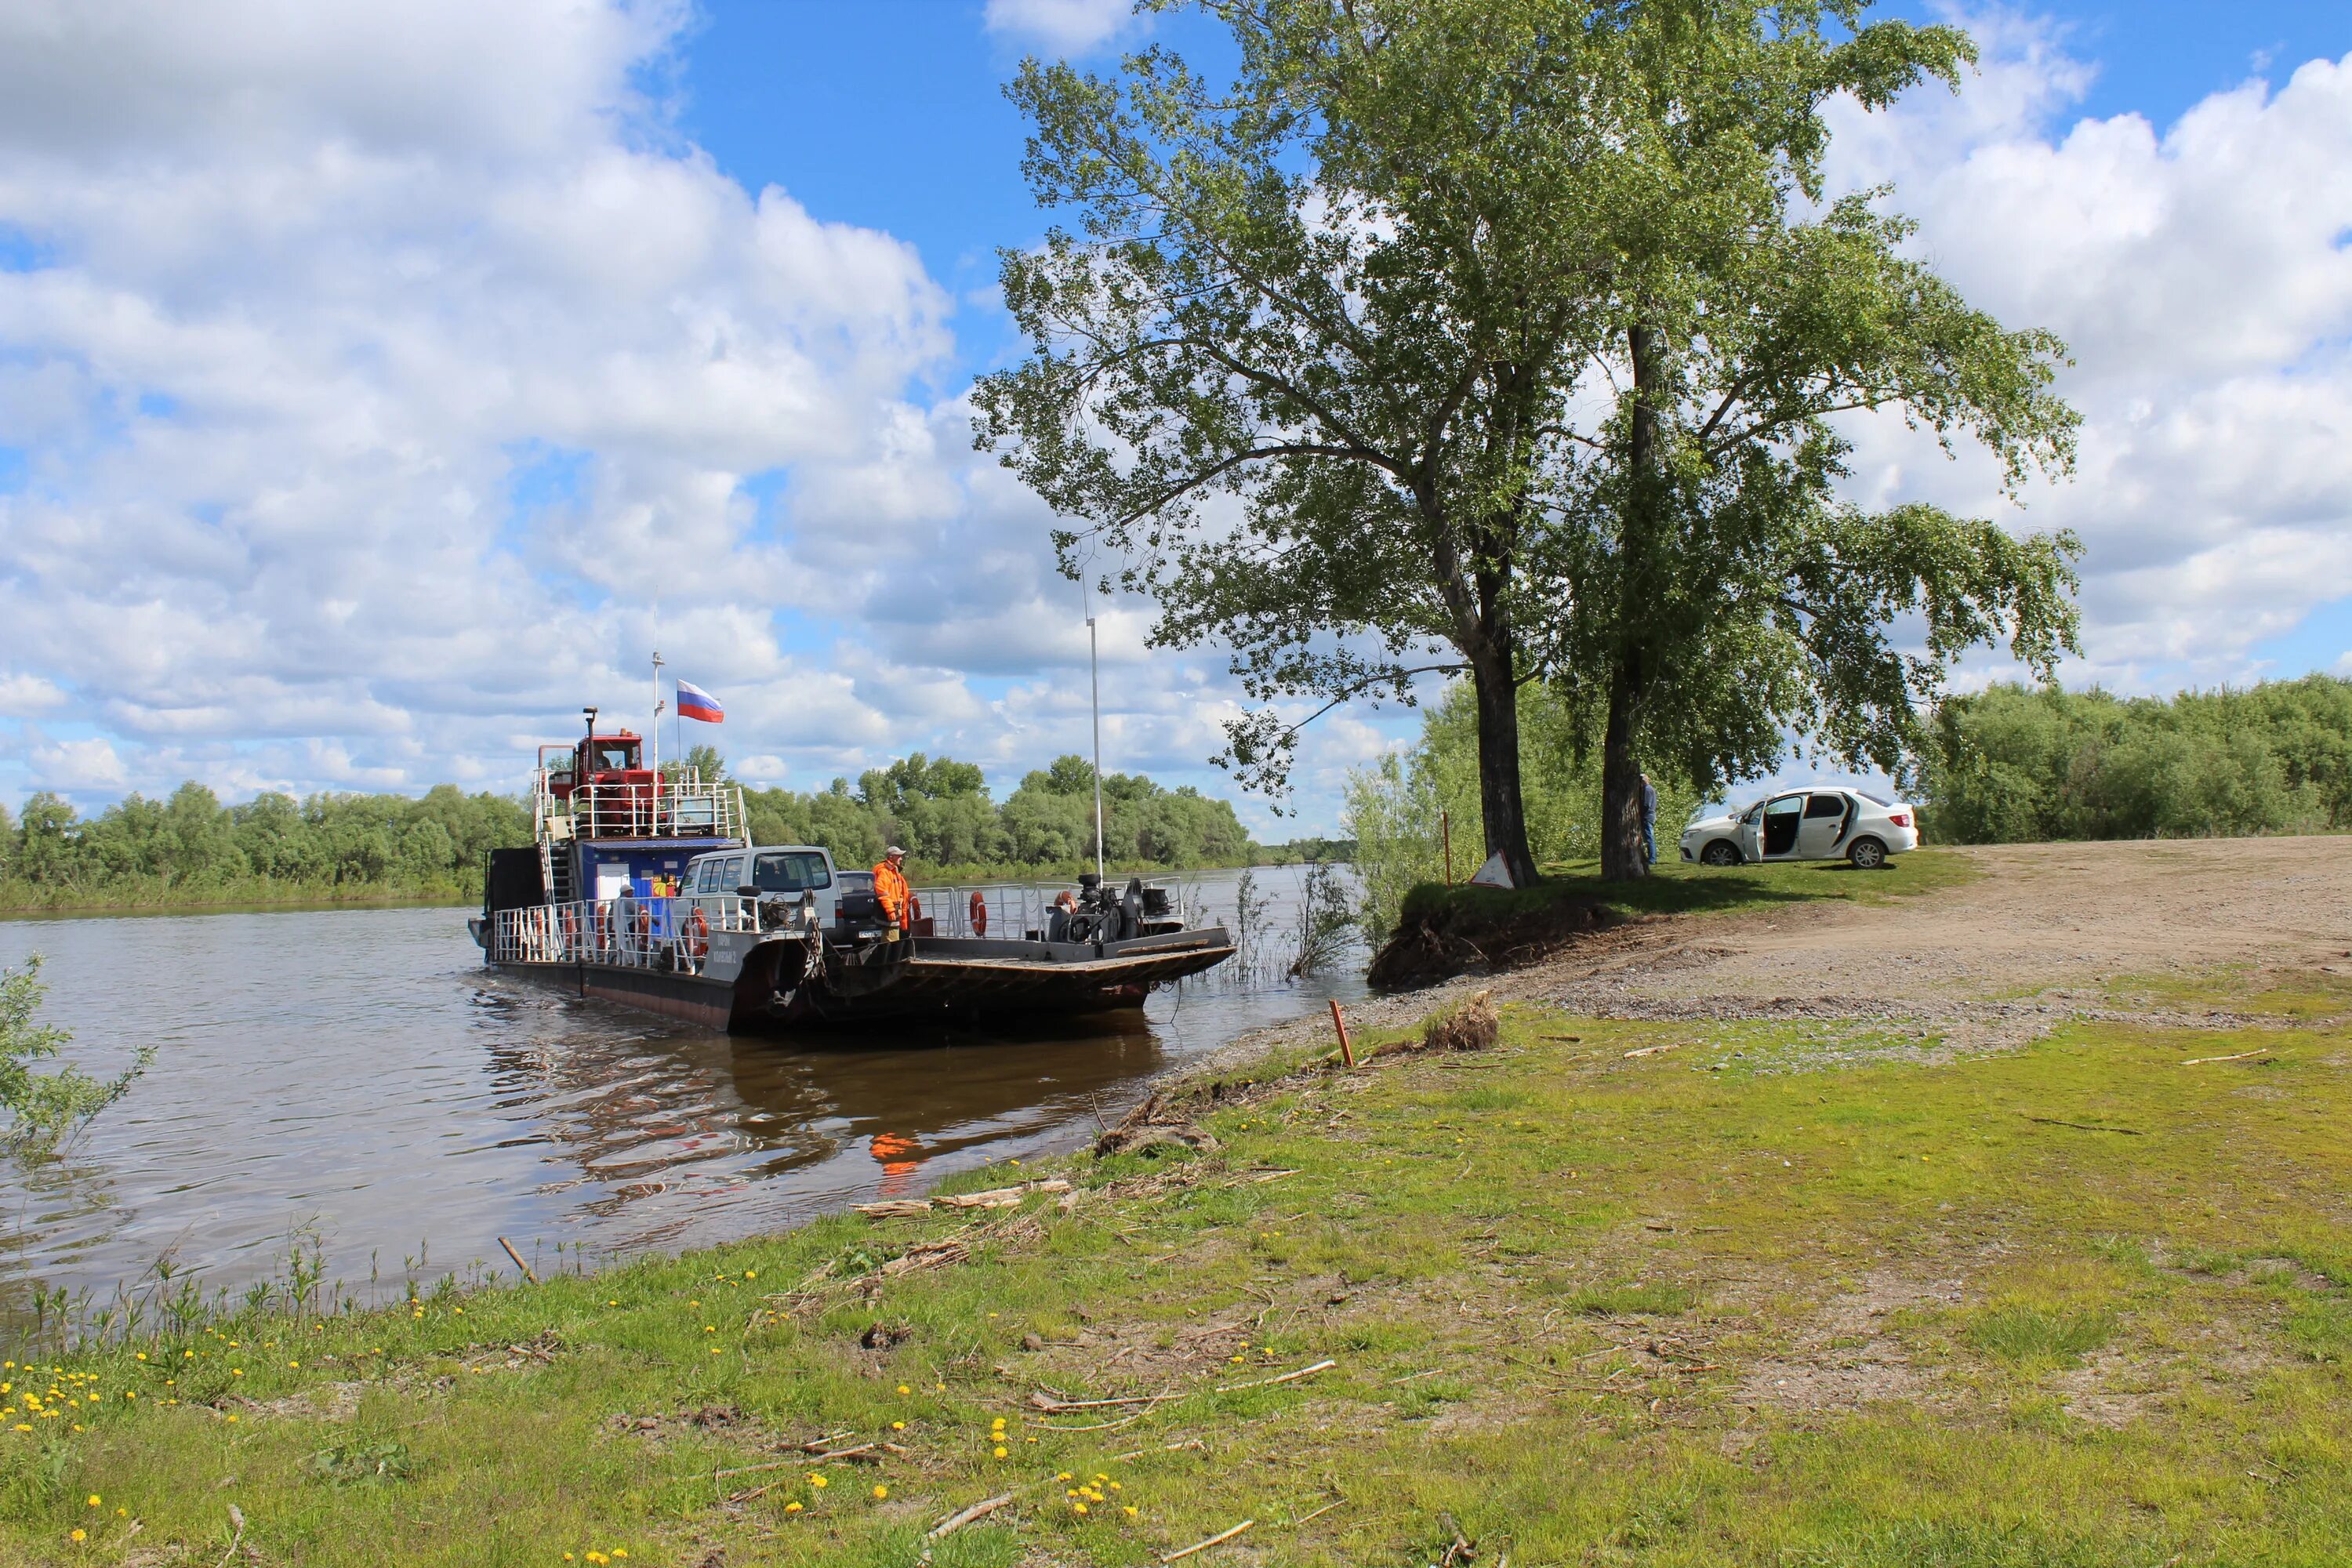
x=45 y=1107
x=940 y=811
x=192 y=849
x=2011 y=765
x=1328 y=370
x=1396 y=811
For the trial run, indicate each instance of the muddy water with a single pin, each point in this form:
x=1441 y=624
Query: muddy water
x=357 y=1077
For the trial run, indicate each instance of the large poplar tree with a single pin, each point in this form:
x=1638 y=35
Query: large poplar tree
x=1504 y=338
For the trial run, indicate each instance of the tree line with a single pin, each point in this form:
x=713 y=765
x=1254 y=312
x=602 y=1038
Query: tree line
x=940 y=811
x=2017 y=764
x=189 y=849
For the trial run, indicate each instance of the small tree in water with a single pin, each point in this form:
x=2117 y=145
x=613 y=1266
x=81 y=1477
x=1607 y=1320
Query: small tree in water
x=1514 y=331
x=45 y=1107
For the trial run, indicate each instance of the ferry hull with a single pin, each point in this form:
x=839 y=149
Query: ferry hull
x=953 y=979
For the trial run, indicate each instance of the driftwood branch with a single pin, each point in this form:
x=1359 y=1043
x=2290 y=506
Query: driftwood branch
x=1204 y=1545
x=2085 y=1126
x=979 y=1510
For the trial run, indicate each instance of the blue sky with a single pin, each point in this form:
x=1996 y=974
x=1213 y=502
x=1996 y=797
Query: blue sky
x=375 y=387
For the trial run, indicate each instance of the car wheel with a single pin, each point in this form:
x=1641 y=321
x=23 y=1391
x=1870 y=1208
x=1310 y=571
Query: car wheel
x=1720 y=853
x=1867 y=854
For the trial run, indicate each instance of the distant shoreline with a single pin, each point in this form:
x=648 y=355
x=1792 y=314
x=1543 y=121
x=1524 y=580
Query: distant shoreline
x=231 y=902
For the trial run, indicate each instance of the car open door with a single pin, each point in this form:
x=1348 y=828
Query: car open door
x=1784 y=814
x=1821 y=834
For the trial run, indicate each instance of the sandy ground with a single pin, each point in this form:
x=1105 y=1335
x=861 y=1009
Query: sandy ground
x=2041 y=935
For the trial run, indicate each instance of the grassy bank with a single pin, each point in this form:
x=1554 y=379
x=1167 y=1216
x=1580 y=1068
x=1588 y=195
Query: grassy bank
x=1445 y=930
x=1609 y=1293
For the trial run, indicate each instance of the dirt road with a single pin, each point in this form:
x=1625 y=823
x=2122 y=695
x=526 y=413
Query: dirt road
x=2045 y=933
x=2044 y=929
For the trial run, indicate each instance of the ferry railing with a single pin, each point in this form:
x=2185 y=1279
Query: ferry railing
x=624 y=933
x=684 y=806
x=1009 y=911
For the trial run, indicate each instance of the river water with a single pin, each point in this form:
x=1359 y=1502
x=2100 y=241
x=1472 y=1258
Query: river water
x=357 y=1081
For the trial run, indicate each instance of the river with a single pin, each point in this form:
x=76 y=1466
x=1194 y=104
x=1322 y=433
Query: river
x=355 y=1082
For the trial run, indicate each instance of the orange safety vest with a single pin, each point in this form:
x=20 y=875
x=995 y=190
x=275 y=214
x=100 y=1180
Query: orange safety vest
x=890 y=886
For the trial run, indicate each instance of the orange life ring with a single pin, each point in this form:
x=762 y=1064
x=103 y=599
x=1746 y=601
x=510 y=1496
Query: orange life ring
x=603 y=926
x=979 y=913
x=697 y=932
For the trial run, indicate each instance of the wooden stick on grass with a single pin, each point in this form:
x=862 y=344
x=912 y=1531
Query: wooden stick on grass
x=1347 y=1051
x=2241 y=1056
x=979 y=1510
x=1204 y=1545
x=1286 y=1378
x=518 y=1263
x=2085 y=1126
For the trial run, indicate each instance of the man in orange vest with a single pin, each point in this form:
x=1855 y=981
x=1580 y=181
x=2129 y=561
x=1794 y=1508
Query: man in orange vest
x=890 y=888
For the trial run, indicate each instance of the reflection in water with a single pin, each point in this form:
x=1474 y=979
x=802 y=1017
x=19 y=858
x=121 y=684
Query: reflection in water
x=357 y=1074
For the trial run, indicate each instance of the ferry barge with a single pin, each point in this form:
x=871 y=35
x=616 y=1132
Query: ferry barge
x=646 y=890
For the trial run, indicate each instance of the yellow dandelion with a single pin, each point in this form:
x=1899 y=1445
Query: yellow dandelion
x=897 y=1426
x=1064 y=1476
x=880 y=1493
x=904 y=1389
x=1000 y=1451
x=1077 y=1508
x=81 y=1536
x=620 y=1552
x=791 y=1508
x=95 y=1499
x=750 y=1274
x=1129 y=1511
x=819 y=1482
x=714 y=1349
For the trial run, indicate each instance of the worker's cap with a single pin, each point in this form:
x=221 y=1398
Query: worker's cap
x=894 y=852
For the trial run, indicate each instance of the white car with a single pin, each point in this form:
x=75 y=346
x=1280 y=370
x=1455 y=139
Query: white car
x=1818 y=823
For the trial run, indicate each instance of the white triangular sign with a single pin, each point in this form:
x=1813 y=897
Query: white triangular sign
x=1494 y=874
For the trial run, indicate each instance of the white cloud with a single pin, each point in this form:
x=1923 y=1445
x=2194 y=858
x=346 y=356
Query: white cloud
x=1067 y=26
x=84 y=764
x=2200 y=278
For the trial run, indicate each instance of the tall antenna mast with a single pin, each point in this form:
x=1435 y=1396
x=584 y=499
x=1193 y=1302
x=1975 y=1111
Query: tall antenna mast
x=658 y=705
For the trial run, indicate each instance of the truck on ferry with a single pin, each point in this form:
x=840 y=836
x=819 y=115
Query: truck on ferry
x=643 y=887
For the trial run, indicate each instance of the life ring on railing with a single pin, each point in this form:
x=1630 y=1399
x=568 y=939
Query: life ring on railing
x=979 y=913
x=697 y=932
x=603 y=928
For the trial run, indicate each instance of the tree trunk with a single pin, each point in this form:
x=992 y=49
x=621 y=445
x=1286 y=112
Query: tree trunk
x=1622 y=857
x=1499 y=803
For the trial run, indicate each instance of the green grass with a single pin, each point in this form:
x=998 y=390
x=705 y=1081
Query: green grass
x=1595 y=1309
x=1674 y=889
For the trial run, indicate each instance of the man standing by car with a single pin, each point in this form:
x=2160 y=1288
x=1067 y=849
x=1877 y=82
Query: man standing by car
x=891 y=891
x=1649 y=820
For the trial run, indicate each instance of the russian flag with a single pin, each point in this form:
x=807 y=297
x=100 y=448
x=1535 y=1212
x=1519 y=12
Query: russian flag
x=693 y=702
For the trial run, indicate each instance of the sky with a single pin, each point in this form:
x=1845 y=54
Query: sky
x=380 y=383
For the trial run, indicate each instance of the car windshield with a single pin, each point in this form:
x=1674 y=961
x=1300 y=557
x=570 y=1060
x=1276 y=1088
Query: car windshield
x=790 y=871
